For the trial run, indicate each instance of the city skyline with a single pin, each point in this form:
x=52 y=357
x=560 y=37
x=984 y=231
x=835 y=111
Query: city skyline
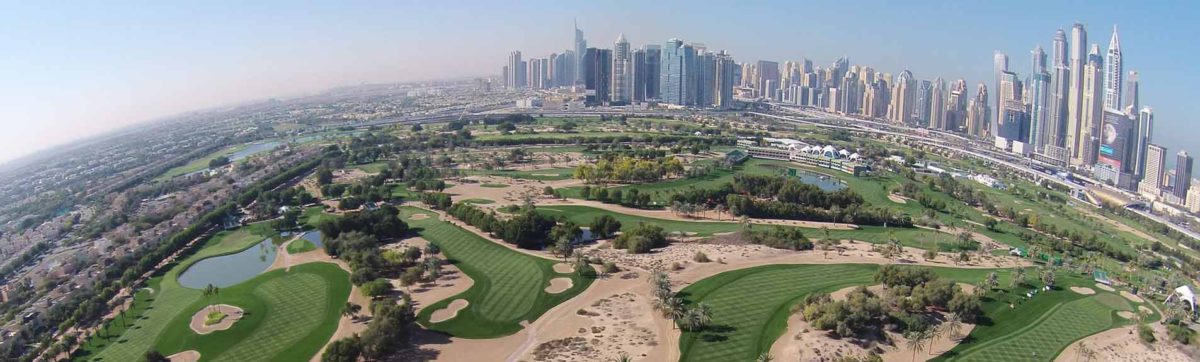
x=1163 y=73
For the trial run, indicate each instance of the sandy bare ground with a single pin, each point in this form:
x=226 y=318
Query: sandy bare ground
x=897 y=199
x=564 y=268
x=710 y=216
x=185 y=356
x=1083 y=290
x=1123 y=344
x=1131 y=297
x=1105 y=287
x=1117 y=224
x=802 y=342
x=513 y=194
x=620 y=323
x=232 y=315
x=559 y=285
x=451 y=311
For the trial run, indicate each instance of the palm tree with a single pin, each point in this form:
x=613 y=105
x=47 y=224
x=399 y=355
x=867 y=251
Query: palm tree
x=952 y=325
x=676 y=310
x=932 y=335
x=765 y=357
x=699 y=316
x=351 y=310
x=916 y=342
x=1083 y=351
x=624 y=357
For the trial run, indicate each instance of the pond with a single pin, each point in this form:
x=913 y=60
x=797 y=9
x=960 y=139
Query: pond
x=227 y=270
x=251 y=149
x=315 y=237
x=824 y=182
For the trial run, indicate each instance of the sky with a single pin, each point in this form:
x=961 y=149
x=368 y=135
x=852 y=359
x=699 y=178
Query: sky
x=70 y=70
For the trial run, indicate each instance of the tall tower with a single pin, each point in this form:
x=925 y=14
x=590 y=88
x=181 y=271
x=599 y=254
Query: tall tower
x=903 y=95
x=937 y=105
x=724 y=80
x=516 y=71
x=1009 y=92
x=1112 y=74
x=1142 y=139
x=1183 y=174
x=1153 y=176
x=978 y=112
x=671 y=72
x=653 y=67
x=1131 y=93
x=1060 y=75
x=1039 y=111
x=597 y=76
x=1078 y=54
x=622 y=85
x=580 y=53
x=1091 y=109
x=999 y=66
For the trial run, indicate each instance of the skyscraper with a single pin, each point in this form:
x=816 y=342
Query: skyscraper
x=653 y=67
x=922 y=102
x=1144 y=132
x=956 y=107
x=516 y=71
x=580 y=53
x=903 y=95
x=637 y=75
x=767 y=74
x=999 y=66
x=1183 y=174
x=1009 y=92
x=671 y=83
x=937 y=105
x=1060 y=75
x=1040 y=126
x=1078 y=56
x=724 y=78
x=1091 y=109
x=1113 y=72
x=978 y=112
x=622 y=85
x=706 y=63
x=598 y=75
x=1131 y=93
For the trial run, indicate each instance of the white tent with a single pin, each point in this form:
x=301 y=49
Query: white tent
x=1184 y=294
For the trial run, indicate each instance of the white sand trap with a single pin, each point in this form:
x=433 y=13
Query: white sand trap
x=1105 y=287
x=185 y=356
x=1125 y=314
x=451 y=311
x=563 y=268
x=545 y=174
x=418 y=217
x=1083 y=290
x=1131 y=297
x=897 y=199
x=232 y=314
x=1144 y=310
x=559 y=285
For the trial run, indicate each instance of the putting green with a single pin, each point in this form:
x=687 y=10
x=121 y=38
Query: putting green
x=508 y=285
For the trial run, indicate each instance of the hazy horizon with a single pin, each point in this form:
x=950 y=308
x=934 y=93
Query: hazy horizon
x=80 y=70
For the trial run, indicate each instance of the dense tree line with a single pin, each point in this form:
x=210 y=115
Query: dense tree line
x=793 y=191
x=527 y=229
x=436 y=200
x=641 y=239
x=770 y=209
x=631 y=198
x=905 y=305
x=386 y=334
x=383 y=223
x=628 y=169
x=780 y=238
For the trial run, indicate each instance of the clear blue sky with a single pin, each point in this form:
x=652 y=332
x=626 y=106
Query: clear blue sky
x=73 y=69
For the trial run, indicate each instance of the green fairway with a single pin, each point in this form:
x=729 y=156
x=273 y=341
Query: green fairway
x=751 y=306
x=289 y=315
x=314 y=215
x=508 y=285
x=478 y=201
x=550 y=174
x=494 y=186
x=301 y=246
x=199 y=163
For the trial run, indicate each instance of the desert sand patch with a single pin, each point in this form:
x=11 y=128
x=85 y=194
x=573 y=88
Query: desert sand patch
x=559 y=285
x=1131 y=297
x=451 y=311
x=620 y=323
x=1083 y=290
x=232 y=314
x=1105 y=287
x=803 y=343
x=418 y=216
x=1122 y=344
x=564 y=268
x=185 y=356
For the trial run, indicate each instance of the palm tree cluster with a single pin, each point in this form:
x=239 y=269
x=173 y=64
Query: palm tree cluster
x=665 y=301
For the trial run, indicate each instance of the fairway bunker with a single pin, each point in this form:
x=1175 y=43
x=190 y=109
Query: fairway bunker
x=419 y=216
x=1105 y=287
x=451 y=311
x=1083 y=290
x=559 y=285
x=232 y=315
x=1132 y=297
x=1125 y=314
x=185 y=356
x=563 y=268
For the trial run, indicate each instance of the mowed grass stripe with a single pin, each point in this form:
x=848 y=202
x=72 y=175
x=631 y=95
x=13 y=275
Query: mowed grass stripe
x=1047 y=337
x=508 y=285
x=294 y=298
x=748 y=303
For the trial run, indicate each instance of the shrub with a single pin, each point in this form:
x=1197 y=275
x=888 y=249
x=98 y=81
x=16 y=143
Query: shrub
x=641 y=239
x=700 y=257
x=1145 y=333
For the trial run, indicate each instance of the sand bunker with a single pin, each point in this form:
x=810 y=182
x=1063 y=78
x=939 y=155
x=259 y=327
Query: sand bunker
x=232 y=314
x=1125 y=314
x=185 y=356
x=1131 y=297
x=1105 y=287
x=559 y=285
x=1083 y=290
x=897 y=199
x=418 y=217
x=563 y=268
x=1144 y=310
x=545 y=174
x=451 y=311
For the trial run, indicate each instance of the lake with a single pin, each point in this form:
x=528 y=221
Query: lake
x=228 y=270
x=822 y=181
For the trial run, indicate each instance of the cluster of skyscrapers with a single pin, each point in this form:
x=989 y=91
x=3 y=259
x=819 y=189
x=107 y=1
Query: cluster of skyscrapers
x=674 y=73
x=1076 y=108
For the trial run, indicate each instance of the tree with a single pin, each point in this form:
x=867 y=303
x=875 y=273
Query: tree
x=952 y=326
x=410 y=276
x=765 y=357
x=376 y=288
x=992 y=280
x=1018 y=278
x=1048 y=277
x=916 y=341
x=155 y=356
x=351 y=310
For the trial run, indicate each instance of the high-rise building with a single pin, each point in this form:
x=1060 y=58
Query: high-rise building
x=1143 y=135
x=1183 y=174
x=1040 y=126
x=672 y=83
x=580 y=53
x=903 y=96
x=516 y=71
x=1075 y=131
x=725 y=80
x=767 y=73
x=1153 y=175
x=597 y=76
x=978 y=112
x=622 y=72
x=922 y=102
x=653 y=67
x=1060 y=76
x=937 y=105
x=637 y=75
x=564 y=68
x=1091 y=109
x=1010 y=93
x=1113 y=72
x=999 y=66
x=706 y=83
x=1131 y=93
x=536 y=73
